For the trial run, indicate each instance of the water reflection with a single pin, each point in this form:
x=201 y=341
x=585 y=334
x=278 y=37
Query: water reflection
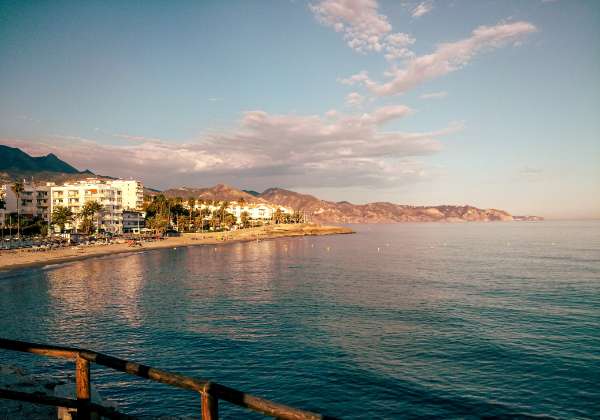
x=411 y=320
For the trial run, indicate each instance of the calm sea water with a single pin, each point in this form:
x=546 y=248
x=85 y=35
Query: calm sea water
x=412 y=320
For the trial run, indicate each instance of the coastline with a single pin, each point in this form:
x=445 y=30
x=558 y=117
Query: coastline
x=16 y=259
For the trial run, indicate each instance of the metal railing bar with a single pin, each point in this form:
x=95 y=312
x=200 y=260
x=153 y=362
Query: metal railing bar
x=41 y=349
x=204 y=387
x=144 y=371
x=262 y=405
x=38 y=398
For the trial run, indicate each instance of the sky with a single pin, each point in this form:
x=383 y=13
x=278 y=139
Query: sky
x=489 y=103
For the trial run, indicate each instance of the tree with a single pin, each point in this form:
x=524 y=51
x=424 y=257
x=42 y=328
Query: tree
x=191 y=203
x=223 y=211
x=18 y=188
x=229 y=219
x=158 y=204
x=61 y=216
x=244 y=217
x=296 y=217
x=279 y=217
x=159 y=222
x=215 y=220
x=242 y=202
x=88 y=211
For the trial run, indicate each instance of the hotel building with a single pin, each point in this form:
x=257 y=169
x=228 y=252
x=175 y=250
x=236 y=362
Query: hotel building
x=75 y=194
x=132 y=193
x=257 y=212
x=34 y=200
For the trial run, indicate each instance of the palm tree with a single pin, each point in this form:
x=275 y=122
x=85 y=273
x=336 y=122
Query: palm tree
x=18 y=188
x=244 y=217
x=191 y=203
x=61 y=216
x=90 y=209
x=278 y=216
x=223 y=210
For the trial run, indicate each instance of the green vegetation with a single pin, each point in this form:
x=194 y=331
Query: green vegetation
x=18 y=188
x=88 y=211
x=61 y=216
x=164 y=213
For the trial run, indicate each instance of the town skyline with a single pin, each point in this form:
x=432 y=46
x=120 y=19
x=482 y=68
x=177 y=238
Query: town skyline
x=417 y=102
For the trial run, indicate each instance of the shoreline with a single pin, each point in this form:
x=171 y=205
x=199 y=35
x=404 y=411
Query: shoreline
x=18 y=259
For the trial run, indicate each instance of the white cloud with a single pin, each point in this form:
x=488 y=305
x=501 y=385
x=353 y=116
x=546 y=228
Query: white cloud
x=422 y=9
x=358 y=78
x=364 y=29
x=434 y=95
x=397 y=46
x=447 y=57
x=354 y=99
x=337 y=150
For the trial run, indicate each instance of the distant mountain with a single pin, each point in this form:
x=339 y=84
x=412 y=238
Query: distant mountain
x=322 y=211
x=382 y=212
x=219 y=192
x=252 y=192
x=16 y=164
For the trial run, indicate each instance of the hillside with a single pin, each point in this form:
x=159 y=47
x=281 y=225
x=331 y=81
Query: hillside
x=219 y=192
x=381 y=212
x=322 y=211
x=16 y=164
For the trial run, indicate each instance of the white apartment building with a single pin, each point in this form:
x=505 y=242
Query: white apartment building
x=133 y=221
x=261 y=211
x=132 y=193
x=258 y=212
x=75 y=194
x=34 y=200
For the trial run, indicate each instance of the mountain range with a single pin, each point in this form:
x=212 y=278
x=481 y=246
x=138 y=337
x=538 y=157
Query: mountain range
x=16 y=164
x=322 y=211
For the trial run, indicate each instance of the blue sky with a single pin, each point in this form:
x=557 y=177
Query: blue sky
x=492 y=103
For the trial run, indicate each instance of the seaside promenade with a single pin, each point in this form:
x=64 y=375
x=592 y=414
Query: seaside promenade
x=25 y=257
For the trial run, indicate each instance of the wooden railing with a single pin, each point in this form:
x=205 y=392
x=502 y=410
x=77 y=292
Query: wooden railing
x=210 y=392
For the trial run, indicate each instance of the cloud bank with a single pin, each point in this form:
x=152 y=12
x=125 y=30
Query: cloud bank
x=335 y=150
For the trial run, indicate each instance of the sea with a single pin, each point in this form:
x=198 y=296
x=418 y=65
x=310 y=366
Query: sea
x=474 y=320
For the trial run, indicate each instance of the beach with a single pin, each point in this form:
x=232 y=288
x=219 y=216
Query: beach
x=26 y=258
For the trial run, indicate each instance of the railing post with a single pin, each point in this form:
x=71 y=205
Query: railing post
x=210 y=404
x=82 y=386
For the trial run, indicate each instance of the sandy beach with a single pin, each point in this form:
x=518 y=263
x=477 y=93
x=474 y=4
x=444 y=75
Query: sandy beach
x=25 y=258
